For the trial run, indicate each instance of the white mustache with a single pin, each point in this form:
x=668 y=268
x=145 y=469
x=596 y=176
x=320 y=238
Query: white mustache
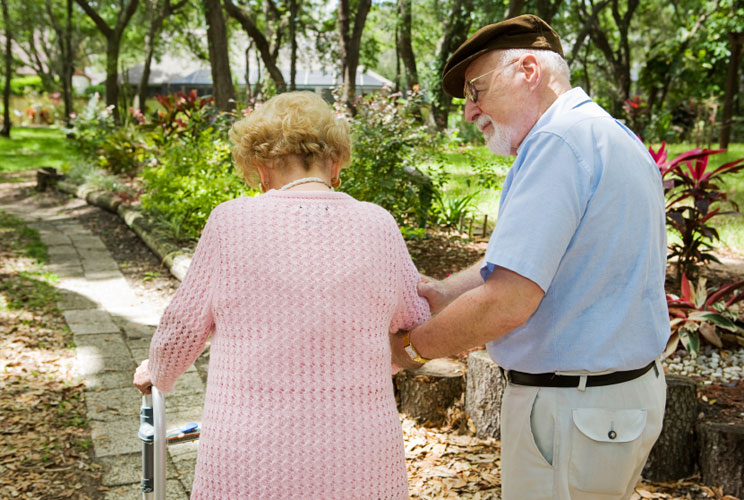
x=482 y=121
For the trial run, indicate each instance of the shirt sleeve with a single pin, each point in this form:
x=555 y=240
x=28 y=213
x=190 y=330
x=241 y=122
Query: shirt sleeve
x=539 y=214
x=411 y=309
x=187 y=321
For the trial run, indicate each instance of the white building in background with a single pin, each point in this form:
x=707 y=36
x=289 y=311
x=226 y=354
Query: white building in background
x=172 y=74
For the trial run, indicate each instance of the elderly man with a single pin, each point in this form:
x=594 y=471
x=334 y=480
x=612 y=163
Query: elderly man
x=569 y=298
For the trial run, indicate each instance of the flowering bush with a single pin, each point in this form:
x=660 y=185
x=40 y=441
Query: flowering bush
x=91 y=126
x=184 y=113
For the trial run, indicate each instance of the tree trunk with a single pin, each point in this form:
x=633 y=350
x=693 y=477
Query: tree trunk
x=484 y=389
x=223 y=90
x=732 y=87
x=248 y=73
x=112 y=77
x=262 y=44
x=293 y=13
x=145 y=77
x=405 y=45
x=426 y=393
x=589 y=20
x=113 y=41
x=350 y=44
x=673 y=456
x=455 y=33
x=546 y=10
x=722 y=456
x=68 y=66
x=618 y=58
x=157 y=16
x=258 y=88
x=397 y=61
x=5 y=132
x=515 y=8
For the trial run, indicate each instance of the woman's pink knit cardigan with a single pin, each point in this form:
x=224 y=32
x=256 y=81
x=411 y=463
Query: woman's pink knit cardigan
x=298 y=291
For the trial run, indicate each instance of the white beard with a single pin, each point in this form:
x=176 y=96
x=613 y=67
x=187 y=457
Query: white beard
x=498 y=140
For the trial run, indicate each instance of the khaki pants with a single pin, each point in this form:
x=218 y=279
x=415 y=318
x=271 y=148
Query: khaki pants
x=571 y=444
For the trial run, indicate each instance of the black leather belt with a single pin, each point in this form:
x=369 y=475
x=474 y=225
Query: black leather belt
x=554 y=380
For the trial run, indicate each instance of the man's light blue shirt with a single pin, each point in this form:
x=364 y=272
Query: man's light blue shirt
x=582 y=215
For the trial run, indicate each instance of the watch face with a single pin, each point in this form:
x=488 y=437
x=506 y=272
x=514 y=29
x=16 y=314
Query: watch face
x=411 y=352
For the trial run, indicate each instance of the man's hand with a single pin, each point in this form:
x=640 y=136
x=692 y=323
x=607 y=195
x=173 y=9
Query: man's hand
x=400 y=357
x=434 y=292
x=142 y=378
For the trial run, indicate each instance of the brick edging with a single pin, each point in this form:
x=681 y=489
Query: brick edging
x=175 y=258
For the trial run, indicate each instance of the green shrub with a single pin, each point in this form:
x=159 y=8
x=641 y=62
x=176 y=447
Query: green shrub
x=24 y=85
x=192 y=175
x=122 y=151
x=92 y=90
x=389 y=142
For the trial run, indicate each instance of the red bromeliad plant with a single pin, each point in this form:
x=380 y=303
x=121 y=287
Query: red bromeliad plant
x=702 y=312
x=694 y=198
x=181 y=111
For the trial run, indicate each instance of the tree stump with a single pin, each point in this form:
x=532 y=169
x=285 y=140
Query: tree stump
x=722 y=456
x=674 y=456
x=484 y=388
x=426 y=393
x=45 y=177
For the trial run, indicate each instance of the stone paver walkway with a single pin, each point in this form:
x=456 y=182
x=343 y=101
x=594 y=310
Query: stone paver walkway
x=112 y=329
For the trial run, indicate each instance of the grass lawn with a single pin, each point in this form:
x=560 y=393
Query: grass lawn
x=31 y=148
x=463 y=177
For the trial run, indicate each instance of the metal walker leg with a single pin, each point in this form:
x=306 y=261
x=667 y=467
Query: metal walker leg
x=152 y=434
x=155 y=439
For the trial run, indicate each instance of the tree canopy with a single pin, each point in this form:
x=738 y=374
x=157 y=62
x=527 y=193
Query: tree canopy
x=666 y=68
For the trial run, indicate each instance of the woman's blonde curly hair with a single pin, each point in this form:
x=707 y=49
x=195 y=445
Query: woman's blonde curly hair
x=293 y=123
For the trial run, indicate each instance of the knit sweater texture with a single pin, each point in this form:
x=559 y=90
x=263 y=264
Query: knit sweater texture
x=297 y=292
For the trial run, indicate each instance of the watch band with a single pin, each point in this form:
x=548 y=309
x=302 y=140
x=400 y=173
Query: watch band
x=412 y=351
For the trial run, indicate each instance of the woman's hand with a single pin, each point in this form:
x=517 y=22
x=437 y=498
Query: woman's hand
x=142 y=378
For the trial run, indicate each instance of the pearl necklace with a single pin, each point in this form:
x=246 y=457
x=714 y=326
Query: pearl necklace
x=304 y=180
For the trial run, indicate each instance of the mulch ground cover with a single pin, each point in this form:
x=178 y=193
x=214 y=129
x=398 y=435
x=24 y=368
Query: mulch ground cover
x=44 y=437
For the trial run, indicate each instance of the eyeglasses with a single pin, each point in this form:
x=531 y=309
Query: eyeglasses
x=471 y=92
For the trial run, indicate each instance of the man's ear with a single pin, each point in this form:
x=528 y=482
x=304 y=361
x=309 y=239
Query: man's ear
x=531 y=71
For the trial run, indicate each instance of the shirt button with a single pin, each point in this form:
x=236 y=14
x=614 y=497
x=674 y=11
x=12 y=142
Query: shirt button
x=612 y=434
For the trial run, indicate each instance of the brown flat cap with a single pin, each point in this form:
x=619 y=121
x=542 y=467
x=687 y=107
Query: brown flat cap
x=521 y=32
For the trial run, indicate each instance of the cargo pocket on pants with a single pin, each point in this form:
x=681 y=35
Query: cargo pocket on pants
x=605 y=448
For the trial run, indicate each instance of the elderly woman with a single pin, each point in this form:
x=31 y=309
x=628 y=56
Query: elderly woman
x=299 y=289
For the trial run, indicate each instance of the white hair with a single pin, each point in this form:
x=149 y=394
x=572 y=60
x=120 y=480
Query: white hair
x=552 y=61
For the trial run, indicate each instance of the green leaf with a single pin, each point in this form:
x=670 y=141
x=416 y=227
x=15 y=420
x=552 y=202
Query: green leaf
x=691 y=341
x=719 y=320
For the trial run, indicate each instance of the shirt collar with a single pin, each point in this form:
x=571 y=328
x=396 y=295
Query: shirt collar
x=566 y=101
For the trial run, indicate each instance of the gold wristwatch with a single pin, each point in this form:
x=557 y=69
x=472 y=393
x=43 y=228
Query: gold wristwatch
x=412 y=351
